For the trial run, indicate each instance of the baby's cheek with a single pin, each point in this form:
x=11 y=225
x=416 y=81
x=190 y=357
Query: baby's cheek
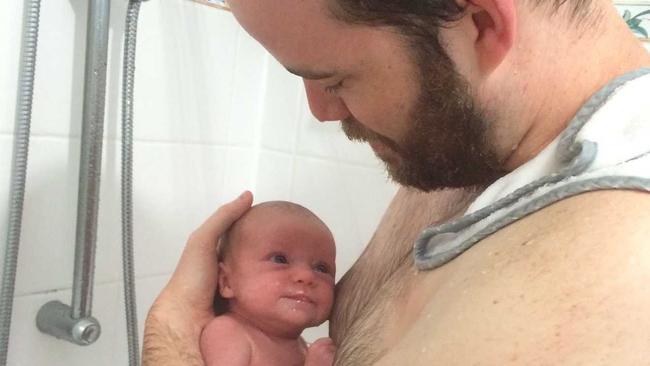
x=327 y=297
x=271 y=287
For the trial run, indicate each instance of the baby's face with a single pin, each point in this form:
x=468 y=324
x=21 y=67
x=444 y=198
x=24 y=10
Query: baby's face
x=281 y=272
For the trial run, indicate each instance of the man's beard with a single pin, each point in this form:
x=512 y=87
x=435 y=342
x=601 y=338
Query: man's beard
x=445 y=143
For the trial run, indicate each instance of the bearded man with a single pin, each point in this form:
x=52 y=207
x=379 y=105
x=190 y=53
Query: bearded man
x=522 y=125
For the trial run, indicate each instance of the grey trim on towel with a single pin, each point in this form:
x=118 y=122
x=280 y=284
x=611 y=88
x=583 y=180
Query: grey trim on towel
x=430 y=251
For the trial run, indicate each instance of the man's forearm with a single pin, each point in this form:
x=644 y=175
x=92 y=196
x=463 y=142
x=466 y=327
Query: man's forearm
x=162 y=346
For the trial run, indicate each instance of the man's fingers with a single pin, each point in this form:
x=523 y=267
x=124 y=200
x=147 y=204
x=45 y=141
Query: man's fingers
x=321 y=353
x=195 y=277
x=324 y=342
x=218 y=223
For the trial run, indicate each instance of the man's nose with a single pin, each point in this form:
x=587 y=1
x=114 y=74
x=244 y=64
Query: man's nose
x=325 y=106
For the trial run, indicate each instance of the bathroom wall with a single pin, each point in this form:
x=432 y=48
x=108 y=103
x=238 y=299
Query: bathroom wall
x=214 y=115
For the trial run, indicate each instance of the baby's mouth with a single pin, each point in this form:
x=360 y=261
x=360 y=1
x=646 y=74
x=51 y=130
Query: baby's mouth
x=301 y=298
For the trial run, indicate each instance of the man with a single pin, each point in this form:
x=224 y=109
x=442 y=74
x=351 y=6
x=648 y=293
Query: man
x=458 y=95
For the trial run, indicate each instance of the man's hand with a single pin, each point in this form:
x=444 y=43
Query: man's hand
x=183 y=308
x=321 y=353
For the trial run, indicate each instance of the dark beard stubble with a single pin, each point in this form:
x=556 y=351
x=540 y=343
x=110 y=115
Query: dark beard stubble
x=445 y=144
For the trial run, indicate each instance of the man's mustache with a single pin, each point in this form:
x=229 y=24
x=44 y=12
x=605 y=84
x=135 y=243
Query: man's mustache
x=356 y=131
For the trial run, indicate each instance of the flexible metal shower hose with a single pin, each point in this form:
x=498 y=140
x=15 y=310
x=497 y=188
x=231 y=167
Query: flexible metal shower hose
x=128 y=77
x=31 y=13
x=19 y=167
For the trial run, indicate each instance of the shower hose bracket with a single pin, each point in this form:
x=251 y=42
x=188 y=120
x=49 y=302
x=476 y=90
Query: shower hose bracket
x=55 y=318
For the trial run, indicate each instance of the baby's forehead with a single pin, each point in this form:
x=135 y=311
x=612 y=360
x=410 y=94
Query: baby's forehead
x=272 y=219
x=277 y=211
x=280 y=208
x=274 y=212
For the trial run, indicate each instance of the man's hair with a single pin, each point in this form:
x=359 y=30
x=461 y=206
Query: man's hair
x=418 y=20
x=421 y=19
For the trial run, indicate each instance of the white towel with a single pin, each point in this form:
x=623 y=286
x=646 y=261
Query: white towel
x=605 y=146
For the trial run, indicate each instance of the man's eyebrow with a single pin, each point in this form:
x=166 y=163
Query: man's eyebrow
x=311 y=75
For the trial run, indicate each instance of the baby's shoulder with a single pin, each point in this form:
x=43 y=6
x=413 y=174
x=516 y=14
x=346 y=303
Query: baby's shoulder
x=224 y=324
x=225 y=340
x=227 y=330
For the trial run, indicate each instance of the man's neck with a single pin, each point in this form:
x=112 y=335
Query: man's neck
x=558 y=81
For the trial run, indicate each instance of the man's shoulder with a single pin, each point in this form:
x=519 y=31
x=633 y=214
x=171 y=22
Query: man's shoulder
x=566 y=285
x=597 y=219
x=584 y=265
x=574 y=276
x=588 y=235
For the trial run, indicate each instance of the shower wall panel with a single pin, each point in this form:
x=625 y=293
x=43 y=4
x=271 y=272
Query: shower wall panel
x=214 y=115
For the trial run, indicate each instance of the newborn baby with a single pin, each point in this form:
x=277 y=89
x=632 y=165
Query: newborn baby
x=276 y=278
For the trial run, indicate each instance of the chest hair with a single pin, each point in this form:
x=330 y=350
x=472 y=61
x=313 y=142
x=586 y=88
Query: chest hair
x=367 y=296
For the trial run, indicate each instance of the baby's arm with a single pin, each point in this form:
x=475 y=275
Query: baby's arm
x=321 y=353
x=225 y=343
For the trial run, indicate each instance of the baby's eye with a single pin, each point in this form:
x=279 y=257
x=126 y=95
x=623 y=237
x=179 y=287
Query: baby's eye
x=279 y=258
x=322 y=268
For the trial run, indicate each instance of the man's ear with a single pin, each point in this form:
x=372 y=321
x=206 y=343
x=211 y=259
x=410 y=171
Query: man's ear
x=495 y=22
x=225 y=289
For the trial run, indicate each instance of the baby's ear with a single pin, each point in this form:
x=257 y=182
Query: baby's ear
x=224 y=283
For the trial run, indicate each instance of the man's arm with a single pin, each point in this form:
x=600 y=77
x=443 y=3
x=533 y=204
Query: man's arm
x=184 y=307
x=167 y=344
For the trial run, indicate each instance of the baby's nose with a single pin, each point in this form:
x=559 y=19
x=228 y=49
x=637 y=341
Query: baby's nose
x=303 y=274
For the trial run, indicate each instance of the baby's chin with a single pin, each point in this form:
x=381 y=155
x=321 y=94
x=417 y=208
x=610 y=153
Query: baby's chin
x=299 y=315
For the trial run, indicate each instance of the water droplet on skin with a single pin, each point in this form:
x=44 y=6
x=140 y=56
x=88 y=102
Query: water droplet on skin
x=423 y=350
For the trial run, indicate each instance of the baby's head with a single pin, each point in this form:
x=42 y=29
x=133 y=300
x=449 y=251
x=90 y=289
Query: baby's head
x=277 y=267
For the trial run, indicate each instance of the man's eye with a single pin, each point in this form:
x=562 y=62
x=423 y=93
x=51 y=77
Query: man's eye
x=332 y=89
x=279 y=258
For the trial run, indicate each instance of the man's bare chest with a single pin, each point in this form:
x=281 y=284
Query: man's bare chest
x=383 y=293
x=381 y=317
x=442 y=305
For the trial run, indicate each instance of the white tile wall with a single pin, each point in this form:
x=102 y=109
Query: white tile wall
x=274 y=176
x=214 y=115
x=281 y=109
x=350 y=199
x=325 y=140
x=5 y=167
x=30 y=347
x=10 y=23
